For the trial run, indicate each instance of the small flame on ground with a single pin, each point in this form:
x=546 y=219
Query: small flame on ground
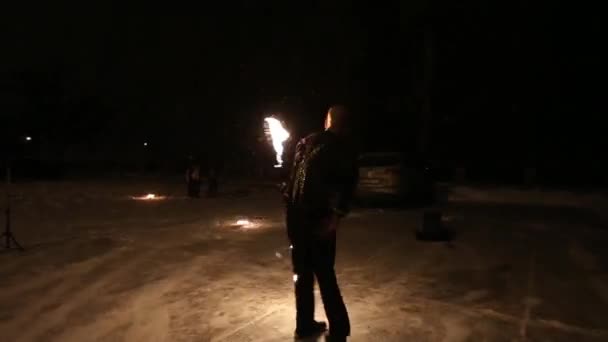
x=149 y=197
x=244 y=223
x=278 y=135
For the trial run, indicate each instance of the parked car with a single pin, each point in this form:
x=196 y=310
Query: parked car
x=392 y=177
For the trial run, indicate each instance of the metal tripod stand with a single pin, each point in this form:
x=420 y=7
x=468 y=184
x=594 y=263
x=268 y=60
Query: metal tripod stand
x=7 y=235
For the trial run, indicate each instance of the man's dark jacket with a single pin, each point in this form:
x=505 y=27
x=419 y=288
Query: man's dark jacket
x=323 y=177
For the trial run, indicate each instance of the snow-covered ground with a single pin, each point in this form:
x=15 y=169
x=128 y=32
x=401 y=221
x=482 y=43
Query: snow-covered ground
x=101 y=266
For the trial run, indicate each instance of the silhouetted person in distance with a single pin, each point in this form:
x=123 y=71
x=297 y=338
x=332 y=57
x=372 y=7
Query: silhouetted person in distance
x=318 y=195
x=193 y=178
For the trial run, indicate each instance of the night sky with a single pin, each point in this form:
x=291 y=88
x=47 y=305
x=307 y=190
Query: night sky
x=504 y=81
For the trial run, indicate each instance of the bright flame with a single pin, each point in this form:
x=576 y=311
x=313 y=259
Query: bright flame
x=278 y=135
x=149 y=197
x=295 y=278
x=247 y=224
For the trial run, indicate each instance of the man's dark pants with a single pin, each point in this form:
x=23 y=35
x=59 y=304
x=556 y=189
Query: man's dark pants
x=313 y=255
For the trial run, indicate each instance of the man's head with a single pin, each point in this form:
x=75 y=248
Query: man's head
x=338 y=120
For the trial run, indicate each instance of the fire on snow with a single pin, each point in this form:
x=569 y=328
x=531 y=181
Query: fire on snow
x=149 y=197
x=278 y=134
x=247 y=224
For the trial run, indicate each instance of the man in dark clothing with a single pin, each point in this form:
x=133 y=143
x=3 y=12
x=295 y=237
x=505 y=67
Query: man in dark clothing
x=318 y=195
x=193 y=179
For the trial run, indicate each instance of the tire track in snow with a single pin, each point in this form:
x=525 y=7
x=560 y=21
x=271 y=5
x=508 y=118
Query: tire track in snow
x=72 y=294
x=145 y=313
x=44 y=280
x=30 y=310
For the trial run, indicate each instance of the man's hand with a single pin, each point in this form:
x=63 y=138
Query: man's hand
x=284 y=189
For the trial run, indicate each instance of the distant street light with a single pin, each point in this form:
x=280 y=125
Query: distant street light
x=28 y=138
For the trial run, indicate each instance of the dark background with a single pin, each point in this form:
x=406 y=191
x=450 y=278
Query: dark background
x=491 y=86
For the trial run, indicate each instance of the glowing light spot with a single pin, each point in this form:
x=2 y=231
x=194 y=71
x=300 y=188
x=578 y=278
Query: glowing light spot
x=290 y=246
x=247 y=224
x=278 y=134
x=295 y=278
x=148 y=197
x=28 y=138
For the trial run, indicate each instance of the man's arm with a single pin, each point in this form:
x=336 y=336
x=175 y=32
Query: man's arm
x=345 y=180
x=350 y=175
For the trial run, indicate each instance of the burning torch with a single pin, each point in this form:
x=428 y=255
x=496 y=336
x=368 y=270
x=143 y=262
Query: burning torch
x=277 y=135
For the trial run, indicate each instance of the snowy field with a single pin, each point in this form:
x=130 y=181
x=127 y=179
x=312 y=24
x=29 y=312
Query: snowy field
x=102 y=266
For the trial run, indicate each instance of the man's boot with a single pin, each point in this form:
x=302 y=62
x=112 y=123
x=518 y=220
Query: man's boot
x=315 y=329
